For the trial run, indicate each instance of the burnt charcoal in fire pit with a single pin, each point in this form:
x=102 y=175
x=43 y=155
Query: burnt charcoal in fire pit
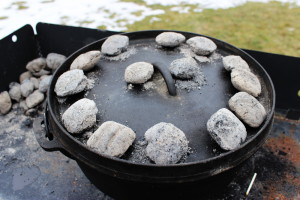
x=226 y=129
x=34 y=99
x=27 y=88
x=248 y=109
x=167 y=144
x=41 y=73
x=112 y=139
x=23 y=105
x=54 y=60
x=80 y=115
x=86 y=61
x=70 y=82
x=36 y=65
x=15 y=91
x=35 y=82
x=24 y=76
x=5 y=102
x=245 y=81
x=170 y=39
x=44 y=83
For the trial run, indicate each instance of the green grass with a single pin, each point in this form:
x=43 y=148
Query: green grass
x=3 y=17
x=102 y=27
x=21 y=5
x=85 y=22
x=272 y=27
x=138 y=13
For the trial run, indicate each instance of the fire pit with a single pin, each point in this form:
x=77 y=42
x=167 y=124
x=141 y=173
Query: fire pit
x=107 y=171
x=141 y=109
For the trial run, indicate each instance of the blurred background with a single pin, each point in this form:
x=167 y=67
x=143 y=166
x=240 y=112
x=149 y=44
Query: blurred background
x=271 y=26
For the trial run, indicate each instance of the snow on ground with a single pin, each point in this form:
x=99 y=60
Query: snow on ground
x=113 y=14
x=213 y=4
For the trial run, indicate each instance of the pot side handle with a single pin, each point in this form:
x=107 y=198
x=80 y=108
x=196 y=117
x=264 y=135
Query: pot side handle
x=45 y=139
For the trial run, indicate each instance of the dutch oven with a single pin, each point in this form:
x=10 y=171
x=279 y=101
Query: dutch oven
x=140 y=109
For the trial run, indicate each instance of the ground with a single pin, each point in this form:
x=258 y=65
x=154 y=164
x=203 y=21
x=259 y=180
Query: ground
x=272 y=27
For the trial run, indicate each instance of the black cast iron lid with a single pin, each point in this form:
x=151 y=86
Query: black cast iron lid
x=188 y=110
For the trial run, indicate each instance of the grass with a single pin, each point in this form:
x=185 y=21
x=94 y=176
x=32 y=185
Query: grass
x=102 y=27
x=271 y=27
x=85 y=22
x=138 y=13
x=3 y=17
x=20 y=4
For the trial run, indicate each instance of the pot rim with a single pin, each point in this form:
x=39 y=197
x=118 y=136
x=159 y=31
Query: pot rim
x=222 y=155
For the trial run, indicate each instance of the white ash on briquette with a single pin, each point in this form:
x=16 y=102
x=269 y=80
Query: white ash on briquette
x=15 y=91
x=36 y=65
x=34 y=99
x=202 y=59
x=30 y=81
x=245 y=81
x=55 y=60
x=188 y=52
x=167 y=144
x=248 y=109
x=170 y=39
x=201 y=45
x=23 y=105
x=131 y=50
x=24 y=76
x=86 y=61
x=115 y=45
x=45 y=83
x=35 y=81
x=80 y=115
x=112 y=139
x=235 y=62
x=70 y=82
x=5 y=102
x=27 y=88
x=138 y=72
x=226 y=129
x=184 y=68
x=41 y=73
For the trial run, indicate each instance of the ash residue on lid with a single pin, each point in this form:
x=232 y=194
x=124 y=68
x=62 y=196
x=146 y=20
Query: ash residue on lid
x=187 y=52
x=122 y=56
x=138 y=153
x=196 y=82
x=187 y=74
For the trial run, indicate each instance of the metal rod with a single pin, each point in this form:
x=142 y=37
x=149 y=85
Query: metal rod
x=251 y=183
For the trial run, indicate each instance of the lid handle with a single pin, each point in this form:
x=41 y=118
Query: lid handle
x=167 y=76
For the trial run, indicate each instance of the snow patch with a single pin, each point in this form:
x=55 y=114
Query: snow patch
x=114 y=15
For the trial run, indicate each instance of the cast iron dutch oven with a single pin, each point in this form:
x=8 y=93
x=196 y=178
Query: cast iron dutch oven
x=140 y=109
